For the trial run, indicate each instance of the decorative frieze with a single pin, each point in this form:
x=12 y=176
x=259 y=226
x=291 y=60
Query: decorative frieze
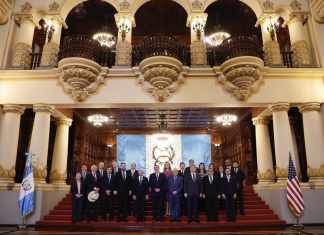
x=301 y=54
x=50 y=54
x=161 y=76
x=21 y=57
x=198 y=53
x=81 y=77
x=124 y=53
x=281 y=172
x=241 y=76
x=272 y=55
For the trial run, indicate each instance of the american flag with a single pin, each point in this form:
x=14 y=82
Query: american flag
x=294 y=194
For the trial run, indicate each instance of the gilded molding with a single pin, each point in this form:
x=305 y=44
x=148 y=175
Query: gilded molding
x=241 y=76
x=161 y=76
x=25 y=14
x=40 y=172
x=281 y=172
x=44 y=108
x=279 y=107
x=56 y=176
x=268 y=175
x=13 y=108
x=315 y=172
x=7 y=173
x=260 y=121
x=64 y=121
x=309 y=107
x=80 y=77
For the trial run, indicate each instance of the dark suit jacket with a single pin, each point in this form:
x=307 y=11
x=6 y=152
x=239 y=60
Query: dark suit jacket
x=108 y=185
x=129 y=172
x=229 y=188
x=115 y=173
x=192 y=188
x=91 y=182
x=187 y=171
x=212 y=189
x=181 y=174
x=74 y=188
x=160 y=183
x=175 y=185
x=123 y=186
x=140 y=190
x=84 y=177
x=240 y=177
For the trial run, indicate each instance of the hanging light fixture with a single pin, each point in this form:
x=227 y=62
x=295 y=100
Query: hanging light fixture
x=124 y=25
x=226 y=119
x=198 y=26
x=98 y=119
x=217 y=38
x=105 y=39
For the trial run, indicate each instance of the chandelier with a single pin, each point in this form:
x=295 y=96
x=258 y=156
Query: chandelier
x=105 y=39
x=226 y=119
x=98 y=119
x=217 y=38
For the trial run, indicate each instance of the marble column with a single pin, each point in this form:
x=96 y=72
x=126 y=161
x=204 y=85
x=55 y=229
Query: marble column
x=299 y=41
x=314 y=141
x=197 y=47
x=23 y=38
x=264 y=155
x=39 y=140
x=282 y=139
x=9 y=135
x=60 y=153
x=124 y=39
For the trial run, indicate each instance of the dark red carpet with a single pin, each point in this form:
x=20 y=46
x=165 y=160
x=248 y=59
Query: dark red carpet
x=257 y=215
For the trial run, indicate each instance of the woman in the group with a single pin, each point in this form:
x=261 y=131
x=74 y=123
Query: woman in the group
x=212 y=166
x=78 y=192
x=202 y=173
x=168 y=172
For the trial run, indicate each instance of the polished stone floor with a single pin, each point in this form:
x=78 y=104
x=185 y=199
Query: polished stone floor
x=288 y=231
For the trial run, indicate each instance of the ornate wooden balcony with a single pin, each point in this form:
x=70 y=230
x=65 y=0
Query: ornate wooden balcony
x=234 y=47
x=160 y=46
x=85 y=47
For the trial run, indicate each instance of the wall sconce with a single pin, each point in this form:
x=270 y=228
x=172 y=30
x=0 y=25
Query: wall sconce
x=217 y=145
x=124 y=25
x=272 y=28
x=109 y=146
x=198 y=26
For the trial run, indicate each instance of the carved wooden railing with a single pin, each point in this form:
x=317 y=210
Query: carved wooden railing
x=160 y=46
x=234 y=47
x=85 y=47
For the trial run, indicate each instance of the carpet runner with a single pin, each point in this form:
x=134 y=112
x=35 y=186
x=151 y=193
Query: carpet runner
x=257 y=215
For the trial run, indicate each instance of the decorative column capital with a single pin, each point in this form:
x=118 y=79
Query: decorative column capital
x=309 y=107
x=5 y=9
x=13 y=108
x=200 y=17
x=25 y=14
x=260 y=121
x=318 y=10
x=64 y=121
x=44 y=108
x=280 y=106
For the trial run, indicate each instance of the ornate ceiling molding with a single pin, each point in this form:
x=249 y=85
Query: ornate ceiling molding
x=318 y=10
x=241 y=76
x=5 y=9
x=80 y=77
x=161 y=76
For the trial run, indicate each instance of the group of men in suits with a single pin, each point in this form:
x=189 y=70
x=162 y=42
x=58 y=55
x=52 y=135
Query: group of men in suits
x=182 y=188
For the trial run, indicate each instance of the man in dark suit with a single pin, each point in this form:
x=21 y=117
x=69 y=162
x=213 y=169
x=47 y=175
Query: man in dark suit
x=140 y=194
x=229 y=194
x=78 y=193
x=115 y=168
x=192 y=191
x=187 y=169
x=212 y=193
x=183 y=200
x=124 y=188
x=157 y=183
x=175 y=189
x=84 y=173
x=240 y=177
x=108 y=187
x=92 y=184
x=133 y=173
x=182 y=169
x=101 y=174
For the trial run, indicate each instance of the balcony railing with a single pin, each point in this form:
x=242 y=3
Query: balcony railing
x=234 y=47
x=85 y=47
x=160 y=46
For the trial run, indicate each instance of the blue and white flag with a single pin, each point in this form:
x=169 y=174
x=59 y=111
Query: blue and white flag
x=26 y=194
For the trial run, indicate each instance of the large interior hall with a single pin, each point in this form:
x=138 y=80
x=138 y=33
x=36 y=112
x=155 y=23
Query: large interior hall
x=161 y=116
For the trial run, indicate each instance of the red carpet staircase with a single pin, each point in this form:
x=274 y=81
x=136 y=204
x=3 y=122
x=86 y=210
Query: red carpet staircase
x=257 y=215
